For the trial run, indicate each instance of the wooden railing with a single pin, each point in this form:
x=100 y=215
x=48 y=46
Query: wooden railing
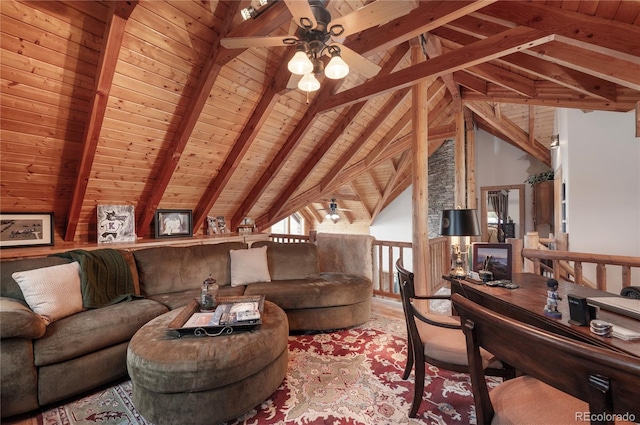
x=385 y=255
x=288 y=238
x=540 y=258
x=570 y=266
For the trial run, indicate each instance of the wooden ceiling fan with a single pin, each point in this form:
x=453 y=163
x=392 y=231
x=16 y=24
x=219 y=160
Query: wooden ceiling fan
x=318 y=34
x=332 y=211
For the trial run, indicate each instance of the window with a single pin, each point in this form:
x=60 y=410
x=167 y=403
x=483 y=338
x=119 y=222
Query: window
x=292 y=225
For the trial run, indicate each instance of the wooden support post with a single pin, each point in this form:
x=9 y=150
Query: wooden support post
x=460 y=185
x=531 y=241
x=420 y=175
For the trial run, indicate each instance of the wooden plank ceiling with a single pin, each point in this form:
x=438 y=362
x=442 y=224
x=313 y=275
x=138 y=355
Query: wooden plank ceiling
x=138 y=103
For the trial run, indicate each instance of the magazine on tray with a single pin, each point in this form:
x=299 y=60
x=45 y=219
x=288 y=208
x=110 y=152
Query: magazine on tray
x=226 y=314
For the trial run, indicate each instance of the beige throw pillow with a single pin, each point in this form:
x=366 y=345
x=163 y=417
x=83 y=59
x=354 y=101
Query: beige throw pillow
x=52 y=292
x=249 y=266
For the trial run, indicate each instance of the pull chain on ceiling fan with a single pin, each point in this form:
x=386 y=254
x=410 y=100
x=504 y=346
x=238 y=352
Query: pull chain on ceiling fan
x=319 y=35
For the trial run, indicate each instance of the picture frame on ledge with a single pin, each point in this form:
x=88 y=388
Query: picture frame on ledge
x=173 y=224
x=26 y=229
x=116 y=224
x=500 y=259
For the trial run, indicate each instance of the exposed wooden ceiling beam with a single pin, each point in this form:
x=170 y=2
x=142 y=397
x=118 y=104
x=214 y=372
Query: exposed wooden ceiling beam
x=514 y=133
x=209 y=74
x=470 y=81
x=269 y=99
x=468 y=29
x=593 y=63
x=356 y=188
x=395 y=100
x=119 y=13
x=348 y=175
x=332 y=137
x=550 y=94
x=427 y=16
x=289 y=146
x=389 y=137
x=433 y=48
x=481 y=51
x=591 y=30
x=405 y=161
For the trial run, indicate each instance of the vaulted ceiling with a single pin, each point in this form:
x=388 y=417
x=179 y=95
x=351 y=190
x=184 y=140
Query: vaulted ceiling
x=138 y=103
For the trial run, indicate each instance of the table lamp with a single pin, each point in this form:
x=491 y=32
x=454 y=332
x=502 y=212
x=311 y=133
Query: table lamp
x=461 y=223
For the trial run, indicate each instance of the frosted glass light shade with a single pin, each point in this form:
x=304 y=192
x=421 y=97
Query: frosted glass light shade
x=336 y=68
x=309 y=83
x=300 y=64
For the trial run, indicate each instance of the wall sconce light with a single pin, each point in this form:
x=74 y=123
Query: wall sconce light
x=461 y=223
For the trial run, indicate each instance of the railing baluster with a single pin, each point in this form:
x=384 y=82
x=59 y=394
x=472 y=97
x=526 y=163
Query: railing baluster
x=601 y=276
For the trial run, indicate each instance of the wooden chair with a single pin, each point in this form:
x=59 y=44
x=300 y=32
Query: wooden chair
x=566 y=381
x=435 y=339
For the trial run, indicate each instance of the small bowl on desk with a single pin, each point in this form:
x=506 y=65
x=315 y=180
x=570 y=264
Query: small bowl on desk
x=601 y=328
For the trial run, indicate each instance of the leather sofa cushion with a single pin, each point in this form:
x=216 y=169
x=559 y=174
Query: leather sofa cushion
x=92 y=330
x=173 y=269
x=327 y=290
x=291 y=260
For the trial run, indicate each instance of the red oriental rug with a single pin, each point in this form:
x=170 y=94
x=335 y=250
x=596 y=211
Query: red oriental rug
x=350 y=376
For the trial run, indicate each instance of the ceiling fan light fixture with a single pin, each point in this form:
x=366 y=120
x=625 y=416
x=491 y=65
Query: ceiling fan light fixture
x=332 y=216
x=300 y=64
x=309 y=83
x=337 y=68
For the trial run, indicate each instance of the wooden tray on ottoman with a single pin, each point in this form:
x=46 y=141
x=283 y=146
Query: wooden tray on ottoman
x=228 y=317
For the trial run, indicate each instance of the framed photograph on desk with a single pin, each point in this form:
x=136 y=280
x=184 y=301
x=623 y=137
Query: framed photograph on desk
x=497 y=257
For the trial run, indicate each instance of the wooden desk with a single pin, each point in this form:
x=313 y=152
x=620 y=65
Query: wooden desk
x=527 y=302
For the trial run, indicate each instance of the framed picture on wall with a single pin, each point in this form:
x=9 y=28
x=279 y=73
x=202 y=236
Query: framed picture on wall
x=173 y=223
x=116 y=223
x=496 y=257
x=26 y=229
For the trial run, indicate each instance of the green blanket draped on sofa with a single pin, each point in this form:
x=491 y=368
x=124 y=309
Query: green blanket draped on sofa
x=105 y=276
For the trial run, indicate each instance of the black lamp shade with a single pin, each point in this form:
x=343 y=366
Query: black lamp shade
x=459 y=222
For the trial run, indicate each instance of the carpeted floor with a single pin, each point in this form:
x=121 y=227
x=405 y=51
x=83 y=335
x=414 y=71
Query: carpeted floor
x=350 y=376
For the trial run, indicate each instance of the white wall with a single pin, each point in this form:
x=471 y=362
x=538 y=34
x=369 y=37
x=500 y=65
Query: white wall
x=498 y=163
x=395 y=223
x=600 y=159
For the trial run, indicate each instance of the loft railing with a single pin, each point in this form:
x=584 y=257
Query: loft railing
x=549 y=257
x=276 y=237
x=385 y=255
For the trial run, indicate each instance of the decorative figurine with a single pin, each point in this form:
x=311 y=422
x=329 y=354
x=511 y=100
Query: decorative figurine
x=209 y=294
x=551 y=309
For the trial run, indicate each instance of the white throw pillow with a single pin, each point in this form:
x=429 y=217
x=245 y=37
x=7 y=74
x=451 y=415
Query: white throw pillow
x=249 y=266
x=52 y=292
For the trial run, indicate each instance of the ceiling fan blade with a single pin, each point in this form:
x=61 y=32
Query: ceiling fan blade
x=373 y=14
x=359 y=63
x=302 y=13
x=246 y=42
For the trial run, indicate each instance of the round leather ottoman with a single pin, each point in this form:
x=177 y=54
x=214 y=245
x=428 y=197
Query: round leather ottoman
x=206 y=380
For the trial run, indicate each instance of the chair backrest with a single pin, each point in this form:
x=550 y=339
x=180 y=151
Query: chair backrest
x=405 y=282
x=608 y=381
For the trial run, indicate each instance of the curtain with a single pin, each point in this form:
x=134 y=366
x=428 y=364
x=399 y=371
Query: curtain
x=499 y=201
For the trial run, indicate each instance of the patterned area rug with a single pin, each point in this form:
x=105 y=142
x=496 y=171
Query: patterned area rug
x=350 y=377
